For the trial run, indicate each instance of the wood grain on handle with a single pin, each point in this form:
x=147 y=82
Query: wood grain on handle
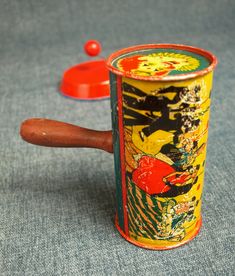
x=50 y=133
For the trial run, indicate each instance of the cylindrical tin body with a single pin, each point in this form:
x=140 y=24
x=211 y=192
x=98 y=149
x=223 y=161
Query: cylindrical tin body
x=160 y=100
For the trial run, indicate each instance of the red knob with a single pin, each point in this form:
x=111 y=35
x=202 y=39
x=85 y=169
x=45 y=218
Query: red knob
x=92 y=48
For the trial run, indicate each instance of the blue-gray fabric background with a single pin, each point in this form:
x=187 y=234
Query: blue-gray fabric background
x=57 y=205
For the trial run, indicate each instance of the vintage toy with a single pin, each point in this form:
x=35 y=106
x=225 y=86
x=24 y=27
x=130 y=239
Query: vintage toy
x=160 y=100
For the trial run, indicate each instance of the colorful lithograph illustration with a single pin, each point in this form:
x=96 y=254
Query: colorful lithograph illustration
x=165 y=143
x=158 y=64
x=160 y=111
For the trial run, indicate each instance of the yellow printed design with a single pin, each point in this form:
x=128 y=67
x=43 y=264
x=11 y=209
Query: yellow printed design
x=158 y=64
x=166 y=127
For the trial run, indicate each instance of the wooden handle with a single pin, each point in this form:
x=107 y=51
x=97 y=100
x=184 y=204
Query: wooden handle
x=50 y=133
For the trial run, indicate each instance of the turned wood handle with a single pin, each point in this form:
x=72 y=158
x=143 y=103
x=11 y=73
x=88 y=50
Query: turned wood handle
x=50 y=133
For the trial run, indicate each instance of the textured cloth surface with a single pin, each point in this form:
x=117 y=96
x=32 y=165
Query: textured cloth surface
x=57 y=205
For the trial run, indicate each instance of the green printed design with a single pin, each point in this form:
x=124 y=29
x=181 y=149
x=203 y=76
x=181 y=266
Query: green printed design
x=116 y=148
x=154 y=218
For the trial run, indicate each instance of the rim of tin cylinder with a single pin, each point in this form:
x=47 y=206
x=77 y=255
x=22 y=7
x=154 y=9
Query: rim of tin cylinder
x=208 y=55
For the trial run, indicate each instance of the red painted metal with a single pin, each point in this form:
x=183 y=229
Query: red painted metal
x=86 y=81
x=92 y=48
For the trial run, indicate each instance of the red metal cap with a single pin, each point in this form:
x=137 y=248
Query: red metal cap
x=86 y=81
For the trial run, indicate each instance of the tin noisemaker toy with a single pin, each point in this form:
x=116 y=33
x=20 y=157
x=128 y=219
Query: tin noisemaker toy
x=160 y=100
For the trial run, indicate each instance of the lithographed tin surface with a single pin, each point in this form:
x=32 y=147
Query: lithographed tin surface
x=160 y=99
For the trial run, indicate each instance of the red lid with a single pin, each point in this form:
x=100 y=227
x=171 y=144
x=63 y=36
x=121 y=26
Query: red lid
x=86 y=81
